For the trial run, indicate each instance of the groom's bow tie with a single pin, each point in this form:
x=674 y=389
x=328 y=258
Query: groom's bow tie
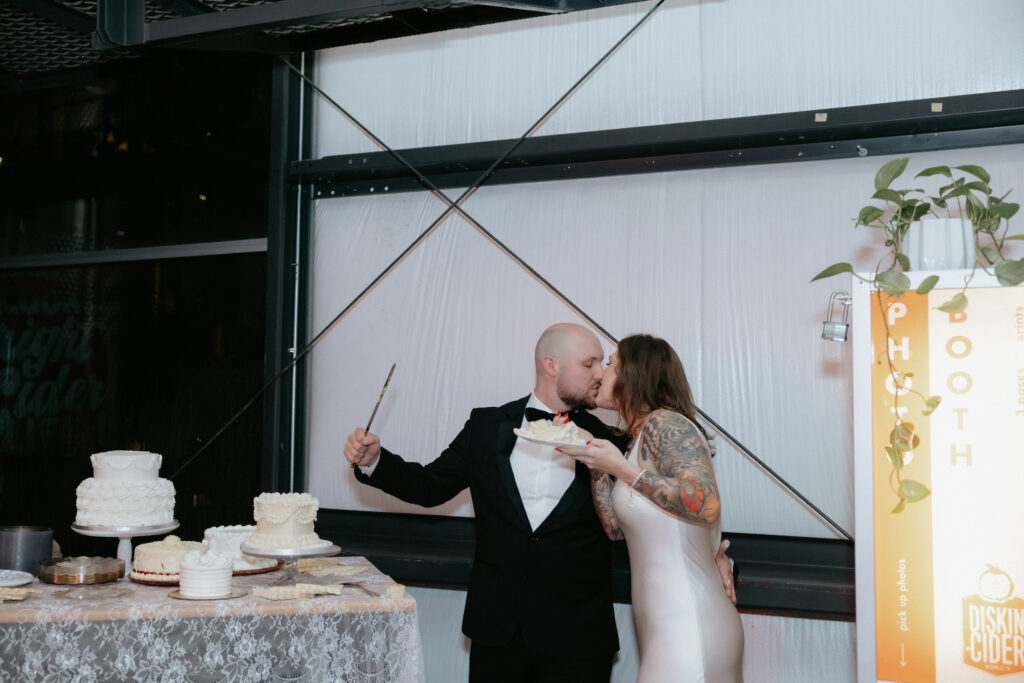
x=533 y=414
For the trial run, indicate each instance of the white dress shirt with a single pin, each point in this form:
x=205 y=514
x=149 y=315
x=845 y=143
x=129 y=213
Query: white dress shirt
x=542 y=474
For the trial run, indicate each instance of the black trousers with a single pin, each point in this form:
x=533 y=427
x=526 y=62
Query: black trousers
x=515 y=662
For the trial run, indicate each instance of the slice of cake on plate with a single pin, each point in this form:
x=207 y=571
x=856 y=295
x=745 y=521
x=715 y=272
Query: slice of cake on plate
x=545 y=430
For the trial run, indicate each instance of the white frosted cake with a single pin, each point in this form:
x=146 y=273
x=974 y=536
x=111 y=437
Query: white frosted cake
x=205 y=575
x=228 y=540
x=160 y=561
x=284 y=521
x=125 y=490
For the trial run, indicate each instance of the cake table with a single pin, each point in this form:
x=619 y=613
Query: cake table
x=125 y=534
x=126 y=631
x=291 y=556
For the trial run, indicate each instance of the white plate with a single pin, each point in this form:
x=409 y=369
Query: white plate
x=235 y=593
x=13 y=577
x=557 y=444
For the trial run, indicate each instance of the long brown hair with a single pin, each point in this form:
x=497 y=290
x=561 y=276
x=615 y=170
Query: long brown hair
x=649 y=376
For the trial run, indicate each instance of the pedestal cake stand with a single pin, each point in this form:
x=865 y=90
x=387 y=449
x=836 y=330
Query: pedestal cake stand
x=125 y=533
x=291 y=556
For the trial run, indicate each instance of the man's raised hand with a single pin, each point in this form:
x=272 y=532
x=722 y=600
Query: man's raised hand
x=362 y=448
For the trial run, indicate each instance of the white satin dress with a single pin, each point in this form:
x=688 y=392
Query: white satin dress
x=688 y=631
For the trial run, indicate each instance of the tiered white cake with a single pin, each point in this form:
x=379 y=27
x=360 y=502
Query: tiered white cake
x=228 y=540
x=125 y=491
x=284 y=521
x=205 y=575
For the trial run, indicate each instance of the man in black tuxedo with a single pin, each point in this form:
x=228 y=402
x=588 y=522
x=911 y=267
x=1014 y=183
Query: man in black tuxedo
x=539 y=604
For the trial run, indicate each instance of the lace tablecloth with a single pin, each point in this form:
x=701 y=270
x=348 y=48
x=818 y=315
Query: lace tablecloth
x=123 y=631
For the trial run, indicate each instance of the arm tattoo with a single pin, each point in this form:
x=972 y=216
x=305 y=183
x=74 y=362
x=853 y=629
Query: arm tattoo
x=677 y=474
x=601 y=484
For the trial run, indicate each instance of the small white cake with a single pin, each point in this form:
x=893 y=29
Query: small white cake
x=284 y=521
x=205 y=575
x=125 y=491
x=229 y=539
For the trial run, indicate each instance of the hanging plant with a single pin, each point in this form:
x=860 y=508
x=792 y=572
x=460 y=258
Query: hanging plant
x=967 y=195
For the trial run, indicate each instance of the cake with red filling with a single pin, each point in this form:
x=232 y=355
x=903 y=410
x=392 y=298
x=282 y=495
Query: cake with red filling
x=160 y=561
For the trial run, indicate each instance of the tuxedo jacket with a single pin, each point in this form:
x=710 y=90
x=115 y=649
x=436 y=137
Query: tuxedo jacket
x=552 y=583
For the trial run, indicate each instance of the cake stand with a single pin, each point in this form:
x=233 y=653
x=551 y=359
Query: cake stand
x=125 y=533
x=291 y=556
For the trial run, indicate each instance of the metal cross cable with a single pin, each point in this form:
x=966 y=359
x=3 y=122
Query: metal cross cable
x=456 y=207
x=423 y=235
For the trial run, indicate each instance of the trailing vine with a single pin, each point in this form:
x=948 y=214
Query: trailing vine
x=963 y=197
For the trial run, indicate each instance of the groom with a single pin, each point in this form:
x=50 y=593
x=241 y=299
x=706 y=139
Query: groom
x=539 y=604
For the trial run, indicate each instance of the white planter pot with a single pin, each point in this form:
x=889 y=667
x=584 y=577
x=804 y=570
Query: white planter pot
x=939 y=244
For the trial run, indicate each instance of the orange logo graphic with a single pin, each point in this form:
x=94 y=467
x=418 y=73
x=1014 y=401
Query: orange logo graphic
x=994 y=625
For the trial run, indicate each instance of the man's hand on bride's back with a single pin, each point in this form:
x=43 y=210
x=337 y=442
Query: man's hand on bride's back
x=724 y=564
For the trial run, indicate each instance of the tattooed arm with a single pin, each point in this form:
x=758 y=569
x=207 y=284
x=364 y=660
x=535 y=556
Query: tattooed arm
x=601 y=484
x=677 y=474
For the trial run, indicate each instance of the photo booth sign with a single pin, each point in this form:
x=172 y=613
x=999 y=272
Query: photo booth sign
x=940 y=505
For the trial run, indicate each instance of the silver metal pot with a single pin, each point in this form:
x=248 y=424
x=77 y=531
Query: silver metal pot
x=24 y=547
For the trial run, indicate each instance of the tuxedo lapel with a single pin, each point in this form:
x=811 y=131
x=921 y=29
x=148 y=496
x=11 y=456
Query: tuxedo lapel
x=573 y=496
x=505 y=441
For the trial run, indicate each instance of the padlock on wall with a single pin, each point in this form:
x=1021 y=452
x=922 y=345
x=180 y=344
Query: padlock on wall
x=832 y=329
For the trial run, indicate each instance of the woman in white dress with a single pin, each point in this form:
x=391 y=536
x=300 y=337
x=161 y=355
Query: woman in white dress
x=663 y=498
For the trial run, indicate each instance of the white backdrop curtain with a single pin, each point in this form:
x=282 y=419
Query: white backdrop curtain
x=717 y=261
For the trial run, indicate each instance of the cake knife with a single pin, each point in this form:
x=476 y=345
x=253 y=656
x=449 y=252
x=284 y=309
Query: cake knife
x=379 y=399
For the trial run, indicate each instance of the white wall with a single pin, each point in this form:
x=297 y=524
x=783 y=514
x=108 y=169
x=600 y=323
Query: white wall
x=693 y=61
x=717 y=261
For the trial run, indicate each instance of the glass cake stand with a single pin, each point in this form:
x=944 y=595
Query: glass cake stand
x=291 y=556
x=125 y=533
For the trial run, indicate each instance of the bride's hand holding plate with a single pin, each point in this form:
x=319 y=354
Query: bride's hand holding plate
x=599 y=454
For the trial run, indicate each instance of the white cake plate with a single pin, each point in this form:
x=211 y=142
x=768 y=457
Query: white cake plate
x=291 y=556
x=125 y=534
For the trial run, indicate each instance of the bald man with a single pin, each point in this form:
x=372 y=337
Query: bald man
x=539 y=604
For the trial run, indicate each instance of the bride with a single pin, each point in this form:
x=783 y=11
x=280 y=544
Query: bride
x=662 y=497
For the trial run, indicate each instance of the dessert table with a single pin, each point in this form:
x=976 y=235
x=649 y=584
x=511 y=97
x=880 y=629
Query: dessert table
x=123 y=631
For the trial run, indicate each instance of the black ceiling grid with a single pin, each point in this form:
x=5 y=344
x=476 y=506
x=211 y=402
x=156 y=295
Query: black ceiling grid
x=53 y=42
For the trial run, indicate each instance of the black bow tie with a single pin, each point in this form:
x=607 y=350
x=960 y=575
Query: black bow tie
x=534 y=414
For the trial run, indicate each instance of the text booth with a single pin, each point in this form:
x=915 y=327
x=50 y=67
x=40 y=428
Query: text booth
x=939 y=446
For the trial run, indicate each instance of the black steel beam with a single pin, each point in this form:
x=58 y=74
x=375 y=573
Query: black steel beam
x=183 y=8
x=401 y=23
x=782 y=575
x=286 y=92
x=119 y=25
x=246 y=19
x=899 y=127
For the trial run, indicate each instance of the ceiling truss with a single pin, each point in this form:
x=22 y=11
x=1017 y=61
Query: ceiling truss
x=45 y=38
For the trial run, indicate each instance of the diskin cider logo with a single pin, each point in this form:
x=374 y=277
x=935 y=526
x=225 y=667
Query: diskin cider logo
x=994 y=625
